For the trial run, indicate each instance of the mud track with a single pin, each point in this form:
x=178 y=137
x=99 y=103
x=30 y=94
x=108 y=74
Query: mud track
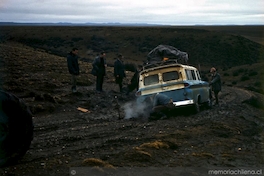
x=228 y=136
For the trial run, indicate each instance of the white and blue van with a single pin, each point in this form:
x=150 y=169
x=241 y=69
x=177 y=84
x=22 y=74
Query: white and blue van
x=180 y=82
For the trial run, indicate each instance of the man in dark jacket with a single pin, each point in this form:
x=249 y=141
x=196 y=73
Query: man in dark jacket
x=134 y=80
x=73 y=67
x=216 y=84
x=98 y=70
x=119 y=72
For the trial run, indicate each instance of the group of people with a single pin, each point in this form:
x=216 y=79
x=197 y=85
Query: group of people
x=99 y=70
x=99 y=65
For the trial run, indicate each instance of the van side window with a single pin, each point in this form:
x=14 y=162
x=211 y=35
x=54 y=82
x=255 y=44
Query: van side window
x=193 y=75
x=152 y=79
x=188 y=74
x=198 y=75
x=168 y=76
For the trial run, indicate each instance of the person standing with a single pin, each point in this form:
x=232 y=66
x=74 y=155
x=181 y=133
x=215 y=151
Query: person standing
x=216 y=84
x=98 y=70
x=73 y=67
x=134 y=82
x=119 y=72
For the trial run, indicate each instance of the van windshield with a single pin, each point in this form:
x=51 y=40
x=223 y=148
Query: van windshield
x=152 y=79
x=169 y=76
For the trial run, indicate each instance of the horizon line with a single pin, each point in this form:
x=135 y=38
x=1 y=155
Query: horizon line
x=120 y=24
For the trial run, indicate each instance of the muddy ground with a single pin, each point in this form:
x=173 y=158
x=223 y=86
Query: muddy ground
x=227 y=136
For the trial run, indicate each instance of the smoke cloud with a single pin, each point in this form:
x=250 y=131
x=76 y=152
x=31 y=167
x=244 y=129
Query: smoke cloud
x=137 y=110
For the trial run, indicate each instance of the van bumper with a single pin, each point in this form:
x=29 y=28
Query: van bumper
x=182 y=103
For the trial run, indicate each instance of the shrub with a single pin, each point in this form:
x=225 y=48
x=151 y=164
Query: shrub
x=255 y=102
x=244 y=78
x=252 y=73
x=226 y=74
x=242 y=70
x=235 y=73
x=238 y=71
x=76 y=39
x=258 y=84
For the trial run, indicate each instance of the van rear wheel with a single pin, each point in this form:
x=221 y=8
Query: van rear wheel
x=209 y=104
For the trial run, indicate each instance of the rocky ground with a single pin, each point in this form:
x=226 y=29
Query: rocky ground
x=230 y=135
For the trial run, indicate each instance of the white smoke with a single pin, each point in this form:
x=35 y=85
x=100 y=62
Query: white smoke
x=136 y=110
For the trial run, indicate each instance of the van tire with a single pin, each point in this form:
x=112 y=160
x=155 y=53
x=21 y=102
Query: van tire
x=196 y=108
x=209 y=104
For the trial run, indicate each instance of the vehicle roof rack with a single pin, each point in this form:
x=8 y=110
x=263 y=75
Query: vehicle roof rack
x=161 y=63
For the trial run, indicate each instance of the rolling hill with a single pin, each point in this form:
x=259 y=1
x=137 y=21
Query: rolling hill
x=206 y=47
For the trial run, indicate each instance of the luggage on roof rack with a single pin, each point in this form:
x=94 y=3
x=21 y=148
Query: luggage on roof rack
x=165 y=53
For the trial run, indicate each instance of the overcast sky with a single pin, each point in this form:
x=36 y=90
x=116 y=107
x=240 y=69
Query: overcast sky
x=173 y=12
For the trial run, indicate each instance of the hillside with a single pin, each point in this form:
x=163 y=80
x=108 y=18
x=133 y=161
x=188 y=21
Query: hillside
x=205 y=47
x=226 y=136
x=254 y=33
